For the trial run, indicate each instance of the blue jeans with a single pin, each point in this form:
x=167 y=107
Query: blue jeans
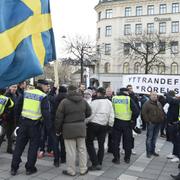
x=151 y=137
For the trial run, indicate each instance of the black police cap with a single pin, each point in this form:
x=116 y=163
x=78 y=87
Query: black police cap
x=123 y=89
x=43 y=81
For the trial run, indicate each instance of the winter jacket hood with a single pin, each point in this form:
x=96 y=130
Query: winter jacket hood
x=74 y=96
x=70 y=116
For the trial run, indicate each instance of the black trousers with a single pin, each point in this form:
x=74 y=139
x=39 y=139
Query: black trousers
x=29 y=131
x=143 y=123
x=126 y=134
x=45 y=139
x=163 y=127
x=63 y=150
x=110 y=143
x=8 y=131
x=96 y=131
x=55 y=145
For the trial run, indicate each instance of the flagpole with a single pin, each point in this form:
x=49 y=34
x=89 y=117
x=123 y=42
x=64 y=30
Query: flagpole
x=56 y=75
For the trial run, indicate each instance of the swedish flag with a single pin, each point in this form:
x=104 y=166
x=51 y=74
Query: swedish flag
x=26 y=39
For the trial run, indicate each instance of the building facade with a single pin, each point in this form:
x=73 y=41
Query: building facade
x=122 y=19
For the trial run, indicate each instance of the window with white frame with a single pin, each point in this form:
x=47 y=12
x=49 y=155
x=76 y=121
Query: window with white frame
x=150 y=28
x=174 y=47
x=106 y=67
x=128 y=11
x=108 y=31
x=150 y=10
x=99 y=16
x=175 y=26
x=138 y=29
x=107 y=49
x=126 y=68
x=108 y=13
x=150 y=47
x=174 y=68
x=161 y=68
x=127 y=48
x=137 y=68
x=175 y=7
x=139 y=11
x=162 y=47
x=162 y=27
x=98 y=49
x=127 y=29
x=99 y=33
x=162 y=9
x=137 y=47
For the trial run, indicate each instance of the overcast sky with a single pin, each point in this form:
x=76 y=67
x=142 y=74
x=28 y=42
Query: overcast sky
x=72 y=17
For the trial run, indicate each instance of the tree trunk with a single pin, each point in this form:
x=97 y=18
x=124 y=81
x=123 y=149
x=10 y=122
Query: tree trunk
x=82 y=69
x=146 y=69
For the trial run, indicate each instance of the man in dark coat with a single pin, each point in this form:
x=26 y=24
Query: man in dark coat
x=70 y=121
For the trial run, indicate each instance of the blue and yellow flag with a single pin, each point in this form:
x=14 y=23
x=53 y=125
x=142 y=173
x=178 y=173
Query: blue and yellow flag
x=26 y=39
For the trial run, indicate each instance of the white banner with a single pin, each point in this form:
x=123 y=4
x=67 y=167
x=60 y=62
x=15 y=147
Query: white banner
x=147 y=83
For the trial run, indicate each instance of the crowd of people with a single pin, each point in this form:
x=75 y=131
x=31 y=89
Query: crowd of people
x=62 y=122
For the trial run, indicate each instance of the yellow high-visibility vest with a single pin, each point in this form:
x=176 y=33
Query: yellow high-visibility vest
x=121 y=105
x=32 y=104
x=3 y=102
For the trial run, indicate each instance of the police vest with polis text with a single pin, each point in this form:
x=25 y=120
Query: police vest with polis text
x=122 y=108
x=32 y=104
x=3 y=102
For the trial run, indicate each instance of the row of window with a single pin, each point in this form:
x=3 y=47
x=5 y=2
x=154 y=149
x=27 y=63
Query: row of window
x=150 y=28
x=174 y=47
x=161 y=68
x=151 y=9
x=139 y=10
x=138 y=69
x=139 y=29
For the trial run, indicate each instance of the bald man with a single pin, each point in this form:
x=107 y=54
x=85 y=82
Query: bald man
x=153 y=114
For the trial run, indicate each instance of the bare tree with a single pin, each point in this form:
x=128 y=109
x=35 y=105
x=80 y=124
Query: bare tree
x=64 y=72
x=147 y=49
x=80 y=51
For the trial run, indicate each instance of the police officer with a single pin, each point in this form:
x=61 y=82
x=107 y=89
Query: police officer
x=125 y=111
x=5 y=104
x=35 y=108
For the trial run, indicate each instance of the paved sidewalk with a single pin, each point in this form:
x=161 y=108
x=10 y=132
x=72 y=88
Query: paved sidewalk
x=140 y=168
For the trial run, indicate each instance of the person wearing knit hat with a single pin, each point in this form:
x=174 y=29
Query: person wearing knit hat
x=88 y=95
x=62 y=89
